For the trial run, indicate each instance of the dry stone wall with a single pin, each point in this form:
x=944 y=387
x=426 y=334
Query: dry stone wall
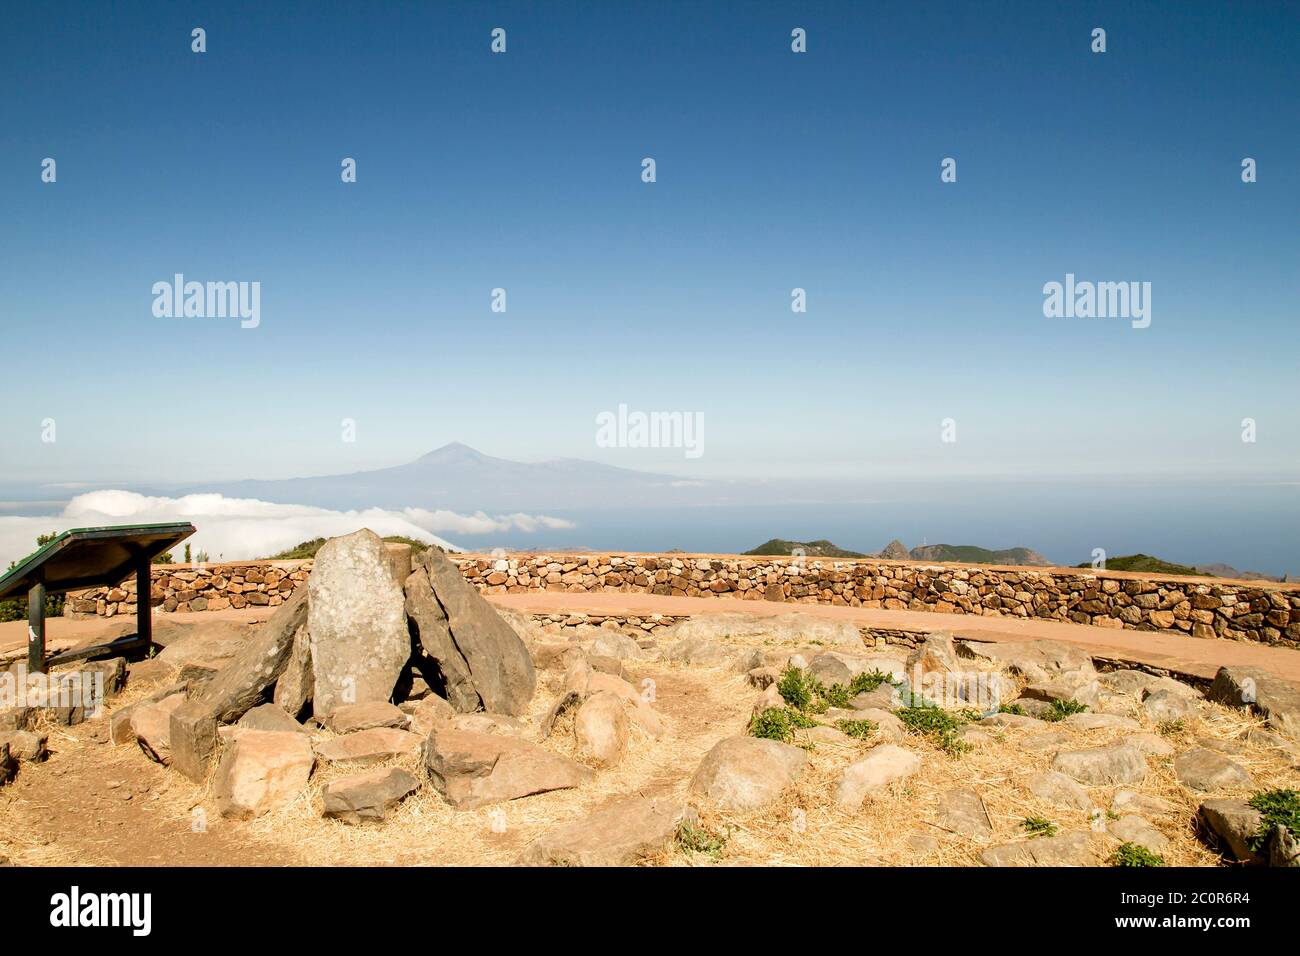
x=1203 y=607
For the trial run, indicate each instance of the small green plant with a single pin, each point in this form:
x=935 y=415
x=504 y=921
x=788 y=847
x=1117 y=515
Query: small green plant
x=861 y=729
x=779 y=723
x=936 y=724
x=1130 y=854
x=1171 y=728
x=1060 y=709
x=1016 y=709
x=1279 y=808
x=693 y=838
x=1039 y=827
x=797 y=687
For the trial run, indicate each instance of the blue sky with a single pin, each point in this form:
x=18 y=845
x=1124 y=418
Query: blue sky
x=775 y=170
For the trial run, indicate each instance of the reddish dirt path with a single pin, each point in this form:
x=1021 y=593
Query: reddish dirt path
x=1188 y=655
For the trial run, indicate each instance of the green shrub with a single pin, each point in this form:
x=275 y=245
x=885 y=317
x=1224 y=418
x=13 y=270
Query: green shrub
x=1039 y=827
x=693 y=838
x=797 y=687
x=1016 y=709
x=936 y=724
x=1061 y=709
x=1130 y=854
x=779 y=723
x=861 y=729
x=1279 y=808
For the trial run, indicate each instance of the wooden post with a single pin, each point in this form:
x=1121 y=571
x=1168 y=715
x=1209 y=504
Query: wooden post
x=36 y=629
x=143 y=601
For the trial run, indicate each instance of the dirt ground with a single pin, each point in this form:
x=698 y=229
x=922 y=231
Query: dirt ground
x=93 y=803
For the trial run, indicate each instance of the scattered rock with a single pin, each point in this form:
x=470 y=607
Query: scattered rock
x=1206 y=770
x=426 y=712
x=369 y=795
x=151 y=724
x=1067 y=849
x=1234 y=823
x=356 y=618
x=370 y=746
x=880 y=767
x=889 y=728
x=1101 y=722
x=1105 y=766
x=1066 y=687
x=260 y=771
x=270 y=717
x=1164 y=705
x=621 y=833
x=1059 y=790
x=1012 y=720
x=1135 y=829
x=1035 y=659
x=8 y=765
x=616 y=645
x=746 y=773
x=349 y=718
x=963 y=812
x=1153 y=745
x=472 y=769
x=484 y=723
x=1276 y=699
x=25 y=745
x=601 y=729
x=1045 y=740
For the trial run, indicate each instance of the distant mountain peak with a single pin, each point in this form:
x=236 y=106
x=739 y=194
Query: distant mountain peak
x=454 y=451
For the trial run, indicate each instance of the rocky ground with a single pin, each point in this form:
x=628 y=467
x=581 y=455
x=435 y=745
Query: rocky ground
x=720 y=741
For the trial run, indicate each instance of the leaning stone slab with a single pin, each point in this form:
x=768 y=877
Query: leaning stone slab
x=499 y=663
x=1068 y=849
x=369 y=795
x=261 y=771
x=151 y=724
x=370 y=746
x=357 y=623
x=1205 y=770
x=746 y=773
x=474 y=769
x=294 y=688
x=626 y=830
x=1102 y=766
x=235 y=689
x=429 y=621
x=1276 y=699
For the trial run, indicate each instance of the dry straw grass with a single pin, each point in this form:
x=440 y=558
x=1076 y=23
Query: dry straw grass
x=702 y=705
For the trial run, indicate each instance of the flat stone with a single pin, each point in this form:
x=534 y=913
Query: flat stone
x=882 y=765
x=616 y=645
x=1101 y=722
x=1131 y=801
x=261 y=771
x=1206 y=770
x=963 y=812
x=270 y=717
x=370 y=746
x=1012 y=720
x=1106 y=766
x=426 y=712
x=1045 y=740
x=349 y=718
x=25 y=745
x=1153 y=745
x=1067 y=849
x=369 y=795
x=472 y=769
x=1059 y=790
x=1135 y=829
x=746 y=773
x=623 y=832
x=1029 y=657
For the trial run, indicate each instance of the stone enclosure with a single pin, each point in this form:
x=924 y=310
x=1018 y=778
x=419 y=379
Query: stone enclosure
x=1202 y=607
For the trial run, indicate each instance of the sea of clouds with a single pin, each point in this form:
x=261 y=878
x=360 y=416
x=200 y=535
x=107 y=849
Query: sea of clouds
x=236 y=529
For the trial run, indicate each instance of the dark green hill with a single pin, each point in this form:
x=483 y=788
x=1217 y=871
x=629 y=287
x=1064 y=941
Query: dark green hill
x=1145 y=562
x=812 y=549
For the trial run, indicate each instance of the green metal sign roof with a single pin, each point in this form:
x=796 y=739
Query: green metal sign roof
x=88 y=557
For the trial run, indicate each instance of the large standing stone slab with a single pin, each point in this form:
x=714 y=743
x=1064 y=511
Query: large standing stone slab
x=1254 y=687
x=242 y=683
x=357 y=622
x=746 y=773
x=472 y=769
x=261 y=771
x=293 y=691
x=498 y=661
x=619 y=834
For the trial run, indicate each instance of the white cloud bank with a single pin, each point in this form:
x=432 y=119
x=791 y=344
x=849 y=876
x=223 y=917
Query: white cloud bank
x=237 y=529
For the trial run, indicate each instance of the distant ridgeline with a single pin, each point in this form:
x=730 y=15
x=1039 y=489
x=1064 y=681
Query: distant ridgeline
x=896 y=551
